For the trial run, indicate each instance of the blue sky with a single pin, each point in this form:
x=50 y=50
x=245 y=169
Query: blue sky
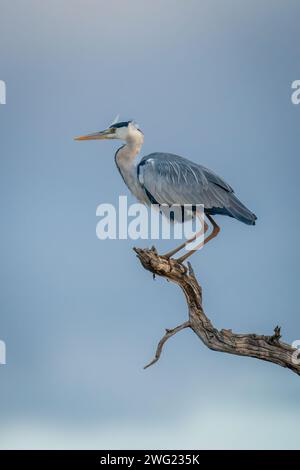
x=208 y=80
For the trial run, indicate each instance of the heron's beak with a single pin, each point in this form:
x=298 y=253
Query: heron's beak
x=107 y=134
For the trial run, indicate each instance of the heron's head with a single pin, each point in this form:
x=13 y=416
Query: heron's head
x=126 y=130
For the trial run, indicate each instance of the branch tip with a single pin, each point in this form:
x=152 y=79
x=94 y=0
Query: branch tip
x=167 y=335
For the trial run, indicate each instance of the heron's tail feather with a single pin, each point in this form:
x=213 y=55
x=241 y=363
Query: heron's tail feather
x=240 y=212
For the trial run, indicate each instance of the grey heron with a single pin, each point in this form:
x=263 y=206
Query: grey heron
x=168 y=179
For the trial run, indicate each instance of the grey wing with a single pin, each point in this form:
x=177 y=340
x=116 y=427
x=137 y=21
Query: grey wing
x=171 y=179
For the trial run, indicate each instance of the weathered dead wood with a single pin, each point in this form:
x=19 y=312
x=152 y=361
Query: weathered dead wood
x=266 y=348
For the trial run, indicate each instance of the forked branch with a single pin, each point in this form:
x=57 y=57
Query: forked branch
x=266 y=348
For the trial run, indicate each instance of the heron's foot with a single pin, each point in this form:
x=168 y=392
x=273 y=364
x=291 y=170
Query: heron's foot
x=169 y=254
x=154 y=250
x=155 y=262
x=166 y=256
x=173 y=252
x=182 y=258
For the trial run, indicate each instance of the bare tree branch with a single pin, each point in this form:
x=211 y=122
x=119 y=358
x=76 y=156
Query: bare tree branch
x=266 y=348
x=165 y=338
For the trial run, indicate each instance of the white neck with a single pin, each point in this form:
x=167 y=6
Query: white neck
x=126 y=162
x=134 y=142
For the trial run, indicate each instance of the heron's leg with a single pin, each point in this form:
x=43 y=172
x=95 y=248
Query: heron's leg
x=183 y=245
x=214 y=233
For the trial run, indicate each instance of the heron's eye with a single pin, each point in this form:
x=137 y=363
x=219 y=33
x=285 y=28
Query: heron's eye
x=112 y=130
